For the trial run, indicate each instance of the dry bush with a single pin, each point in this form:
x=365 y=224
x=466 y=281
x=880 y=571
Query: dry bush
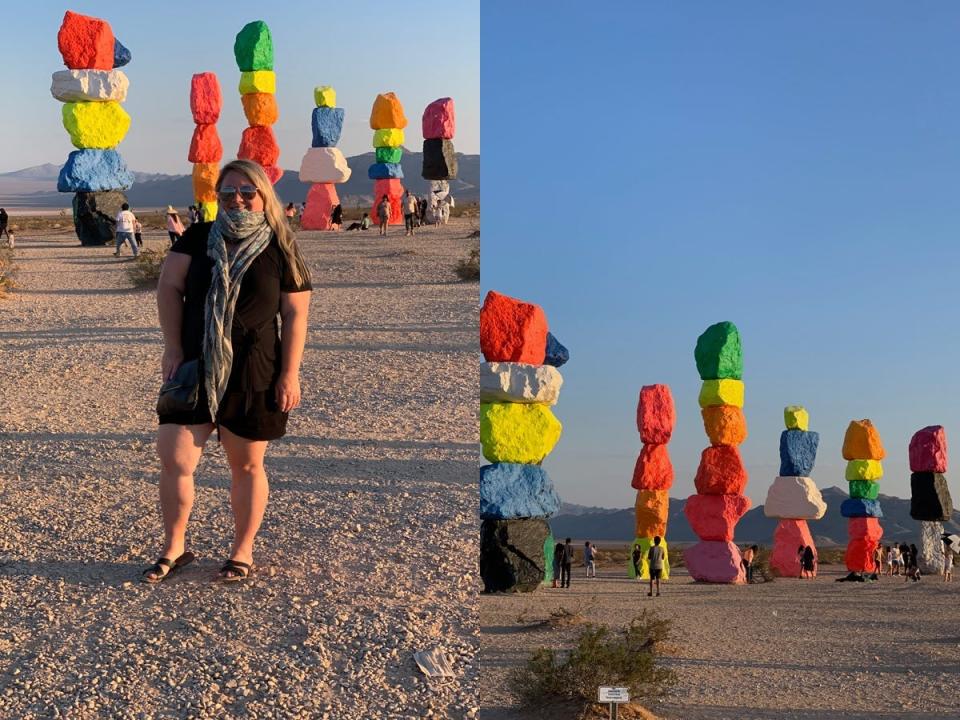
x=146 y=268
x=469 y=270
x=7 y=270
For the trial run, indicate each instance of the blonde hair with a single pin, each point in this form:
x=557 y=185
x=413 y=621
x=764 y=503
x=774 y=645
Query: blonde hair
x=273 y=210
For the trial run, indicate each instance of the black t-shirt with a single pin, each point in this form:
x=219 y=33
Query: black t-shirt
x=255 y=332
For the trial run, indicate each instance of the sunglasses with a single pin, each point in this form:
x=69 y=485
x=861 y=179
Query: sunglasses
x=247 y=192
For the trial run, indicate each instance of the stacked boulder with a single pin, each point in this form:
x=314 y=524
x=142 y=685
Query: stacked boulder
x=794 y=498
x=92 y=90
x=519 y=383
x=206 y=150
x=439 y=156
x=721 y=477
x=930 y=501
x=253 y=50
x=863 y=451
x=387 y=122
x=324 y=164
x=653 y=474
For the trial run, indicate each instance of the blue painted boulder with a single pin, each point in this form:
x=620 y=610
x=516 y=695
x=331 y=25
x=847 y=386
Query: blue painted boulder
x=94 y=170
x=556 y=354
x=121 y=56
x=385 y=171
x=511 y=490
x=798 y=452
x=327 y=124
x=860 y=507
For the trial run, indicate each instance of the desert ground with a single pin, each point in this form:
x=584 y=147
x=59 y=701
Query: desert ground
x=368 y=547
x=787 y=649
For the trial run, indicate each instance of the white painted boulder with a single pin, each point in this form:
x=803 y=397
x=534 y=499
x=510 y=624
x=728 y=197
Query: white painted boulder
x=519 y=383
x=324 y=165
x=796 y=498
x=89 y=85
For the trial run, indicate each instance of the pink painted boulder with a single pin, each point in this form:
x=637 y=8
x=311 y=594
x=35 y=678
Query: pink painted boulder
x=787 y=539
x=655 y=414
x=205 y=98
x=721 y=471
x=714 y=517
x=439 y=120
x=714 y=561
x=928 y=450
x=321 y=199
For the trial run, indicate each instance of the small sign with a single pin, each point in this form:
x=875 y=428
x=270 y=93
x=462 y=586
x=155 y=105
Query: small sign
x=614 y=695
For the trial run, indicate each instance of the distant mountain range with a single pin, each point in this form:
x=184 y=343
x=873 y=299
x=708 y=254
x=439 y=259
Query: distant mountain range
x=603 y=524
x=37 y=186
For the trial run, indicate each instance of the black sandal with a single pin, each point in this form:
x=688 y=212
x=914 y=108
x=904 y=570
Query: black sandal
x=172 y=566
x=240 y=570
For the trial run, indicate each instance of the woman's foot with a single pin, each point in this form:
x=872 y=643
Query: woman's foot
x=164 y=567
x=234 y=570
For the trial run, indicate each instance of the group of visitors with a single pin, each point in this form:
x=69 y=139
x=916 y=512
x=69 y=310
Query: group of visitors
x=901 y=559
x=562 y=563
x=807 y=560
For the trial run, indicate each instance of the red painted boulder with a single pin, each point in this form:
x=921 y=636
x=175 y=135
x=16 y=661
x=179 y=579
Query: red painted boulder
x=439 y=120
x=205 y=98
x=656 y=415
x=321 y=199
x=393 y=189
x=259 y=144
x=928 y=450
x=714 y=517
x=274 y=173
x=714 y=561
x=789 y=536
x=859 y=556
x=866 y=528
x=653 y=470
x=205 y=146
x=86 y=43
x=512 y=330
x=721 y=471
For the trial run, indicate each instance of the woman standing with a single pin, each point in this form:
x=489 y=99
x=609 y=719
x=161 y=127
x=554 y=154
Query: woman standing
x=174 y=225
x=383 y=214
x=221 y=290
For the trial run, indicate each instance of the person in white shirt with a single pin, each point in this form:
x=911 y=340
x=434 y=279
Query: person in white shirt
x=126 y=225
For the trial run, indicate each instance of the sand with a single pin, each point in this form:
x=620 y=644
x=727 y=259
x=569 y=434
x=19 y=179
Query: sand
x=370 y=538
x=792 y=649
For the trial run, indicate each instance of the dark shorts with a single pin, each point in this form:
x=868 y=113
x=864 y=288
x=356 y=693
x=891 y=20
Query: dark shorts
x=656 y=574
x=262 y=421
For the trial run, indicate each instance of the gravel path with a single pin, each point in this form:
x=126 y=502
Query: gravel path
x=361 y=558
x=791 y=649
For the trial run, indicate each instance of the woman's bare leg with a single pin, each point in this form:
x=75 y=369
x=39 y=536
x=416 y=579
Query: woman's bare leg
x=248 y=490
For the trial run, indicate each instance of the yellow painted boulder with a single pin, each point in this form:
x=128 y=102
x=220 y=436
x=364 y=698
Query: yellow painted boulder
x=100 y=125
x=796 y=417
x=721 y=392
x=645 y=544
x=325 y=96
x=390 y=137
x=517 y=432
x=258 y=81
x=864 y=470
x=209 y=210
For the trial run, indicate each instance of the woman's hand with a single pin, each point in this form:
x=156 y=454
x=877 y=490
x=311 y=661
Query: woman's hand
x=172 y=359
x=288 y=392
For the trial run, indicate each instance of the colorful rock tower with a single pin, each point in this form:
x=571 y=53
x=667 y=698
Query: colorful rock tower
x=794 y=497
x=206 y=150
x=863 y=451
x=652 y=475
x=253 y=50
x=387 y=122
x=323 y=165
x=439 y=156
x=721 y=478
x=92 y=90
x=930 y=501
x=519 y=382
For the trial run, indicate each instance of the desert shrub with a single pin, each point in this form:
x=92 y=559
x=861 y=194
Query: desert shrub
x=469 y=270
x=601 y=656
x=146 y=268
x=7 y=270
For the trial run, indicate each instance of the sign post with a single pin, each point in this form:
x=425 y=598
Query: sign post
x=614 y=696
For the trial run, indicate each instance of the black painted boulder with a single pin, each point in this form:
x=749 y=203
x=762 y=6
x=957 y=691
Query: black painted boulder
x=439 y=160
x=511 y=554
x=929 y=497
x=93 y=216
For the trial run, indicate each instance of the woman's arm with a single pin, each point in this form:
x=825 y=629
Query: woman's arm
x=293 y=337
x=170 y=291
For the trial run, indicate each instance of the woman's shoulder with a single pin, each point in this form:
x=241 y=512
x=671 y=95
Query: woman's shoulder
x=194 y=239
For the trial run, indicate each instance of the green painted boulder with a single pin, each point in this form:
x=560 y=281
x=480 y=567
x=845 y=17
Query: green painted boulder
x=864 y=489
x=253 y=47
x=718 y=352
x=389 y=154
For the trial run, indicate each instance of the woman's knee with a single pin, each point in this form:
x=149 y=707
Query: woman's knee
x=246 y=469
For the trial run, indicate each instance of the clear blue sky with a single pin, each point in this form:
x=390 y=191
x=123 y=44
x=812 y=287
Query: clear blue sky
x=419 y=49
x=654 y=168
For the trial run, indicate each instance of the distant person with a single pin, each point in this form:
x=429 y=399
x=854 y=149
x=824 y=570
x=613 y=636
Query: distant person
x=365 y=222
x=809 y=562
x=202 y=214
x=174 y=227
x=126 y=226
x=5 y=230
x=636 y=557
x=800 y=559
x=290 y=211
x=336 y=217
x=878 y=559
x=655 y=558
x=904 y=551
x=410 y=207
x=566 y=561
x=947 y=561
x=588 y=560
x=192 y=215
x=747 y=561
x=889 y=555
x=383 y=214
x=448 y=205
x=557 y=558
x=914 y=567
x=138 y=233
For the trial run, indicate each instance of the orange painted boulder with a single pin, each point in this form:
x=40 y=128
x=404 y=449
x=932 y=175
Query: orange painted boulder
x=714 y=517
x=512 y=330
x=714 y=561
x=205 y=98
x=260 y=145
x=653 y=470
x=928 y=450
x=867 y=528
x=204 y=181
x=651 y=510
x=205 y=146
x=724 y=424
x=387 y=113
x=86 y=43
x=789 y=536
x=721 y=471
x=859 y=555
x=393 y=189
x=862 y=442
x=260 y=108
x=656 y=415
x=321 y=199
